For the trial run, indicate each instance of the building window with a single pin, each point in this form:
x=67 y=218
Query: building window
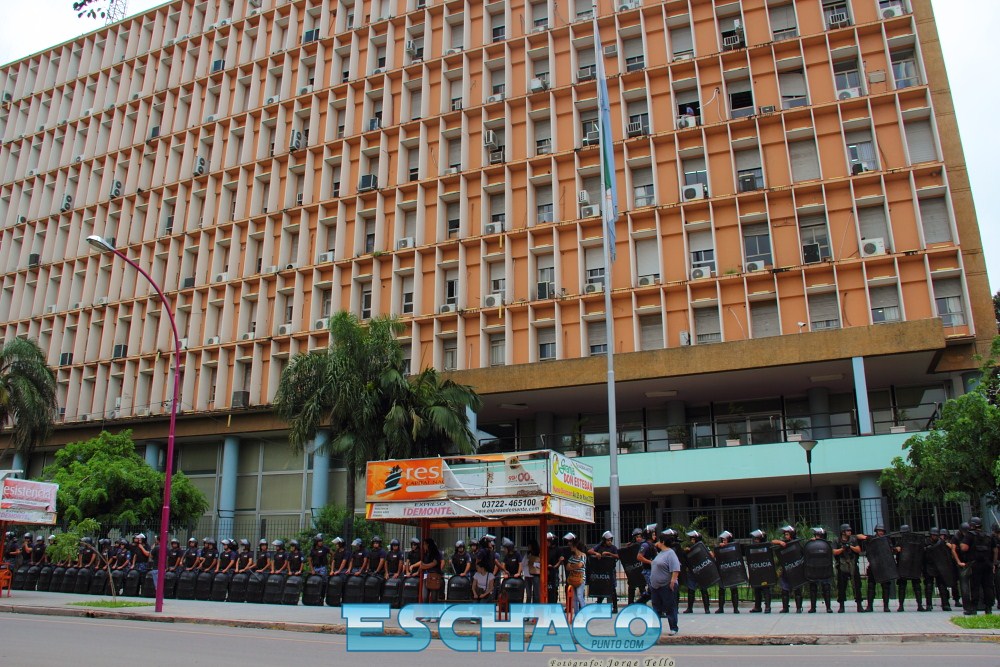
x=499 y=33
x=449 y=356
x=703 y=259
x=793 y=89
x=847 y=78
x=706 y=325
x=597 y=339
x=815 y=238
x=595 y=276
x=453 y=227
x=783 y=24
x=948 y=299
x=885 y=304
x=904 y=69
x=407 y=304
x=861 y=152
x=644 y=195
x=837 y=14
x=366 y=302
x=498 y=285
x=757 y=245
x=451 y=291
x=545 y=213
x=497 y=350
x=546 y=344
x=543 y=146
x=638 y=124
x=740 y=99
x=824 y=312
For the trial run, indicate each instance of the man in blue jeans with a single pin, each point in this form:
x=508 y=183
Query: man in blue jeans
x=665 y=570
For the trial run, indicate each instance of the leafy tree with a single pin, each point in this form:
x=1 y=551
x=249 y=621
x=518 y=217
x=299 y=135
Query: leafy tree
x=996 y=309
x=958 y=460
x=330 y=521
x=27 y=394
x=357 y=389
x=91 y=9
x=67 y=543
x=105 y=479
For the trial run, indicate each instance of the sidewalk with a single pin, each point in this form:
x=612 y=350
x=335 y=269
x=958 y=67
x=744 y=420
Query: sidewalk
x=736 y=629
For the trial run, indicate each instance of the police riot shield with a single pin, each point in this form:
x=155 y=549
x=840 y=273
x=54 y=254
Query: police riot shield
x=881 y=564
x=760 y=564
x=703 y=568
x=819 y=560
x=732 y=569
x=910 y=557
x=793 y=564
x=939 y=558
x=601 y=573
x=631 y=564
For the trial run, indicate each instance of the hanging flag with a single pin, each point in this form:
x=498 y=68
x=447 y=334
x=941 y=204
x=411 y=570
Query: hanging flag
x=609 y=205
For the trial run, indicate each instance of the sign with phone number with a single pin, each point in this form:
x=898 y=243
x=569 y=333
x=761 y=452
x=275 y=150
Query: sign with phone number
x=471 y=507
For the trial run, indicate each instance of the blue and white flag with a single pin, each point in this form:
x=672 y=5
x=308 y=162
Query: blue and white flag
x=609 y=205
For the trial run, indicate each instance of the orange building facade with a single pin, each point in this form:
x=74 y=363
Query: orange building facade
x=798 y=248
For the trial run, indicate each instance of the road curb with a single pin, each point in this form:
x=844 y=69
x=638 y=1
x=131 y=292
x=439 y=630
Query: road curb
x=666 y=640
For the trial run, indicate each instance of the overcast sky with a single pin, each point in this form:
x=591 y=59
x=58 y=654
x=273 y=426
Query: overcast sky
x=966 y=28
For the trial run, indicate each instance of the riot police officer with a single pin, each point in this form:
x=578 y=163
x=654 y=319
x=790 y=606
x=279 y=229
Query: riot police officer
x=788 y=534
x=692 y=584
x=38 y=550
x=413 y=556
x=632 y=588
x=359 y=557
x=244 y=560
x=725 y=537
x=510 y=561
x=175 y=556
x=817 y=581
x=296 y=559
x=227 y=559
x=190 y=556
x=461 y=562
x=341 y=558
x=977 y=552
x=847 y=551
x=319 y=556
x=937 y=564
x=647 y=552
x=555 y=561
x=962 y=563
x=906 y=543
x=393 y=560
x=606 y=552
x=376 y=557
x=872 y=584
x=761 y=593
x=11 y=550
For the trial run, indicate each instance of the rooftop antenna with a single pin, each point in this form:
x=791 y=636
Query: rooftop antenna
x=116 y=11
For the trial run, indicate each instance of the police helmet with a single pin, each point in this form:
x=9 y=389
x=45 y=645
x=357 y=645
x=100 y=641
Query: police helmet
x=964 y=526
x=357 y=542
x=262 y=542
x=294 y=543
x=650 y=530
x=226 y=542
x=88 y=540
x=278 y=543
x=507 y=543
x=415 y=541
x=935 y=531
x=173 y=541
x=210 y=540
x=192 y=540
x=9 y=534
x=945 y=532
x=670 y=531
x=27 y=536
x=318 y=538
x=569 y=536
x=376 y=540
x=845 y=527
x=607 y=535
x=122 y=540
x=668 y=537
x=819 y=531
x=139 y=536
x=905 y=528
x=51 y=537
x=725 y=535
x=758 y=534
x=636 y=532
x=105 y=542
x=787 y=528
x=550 y=536
x=879 y=526
x=394 y=543
x=976 y=522
x=338 y=540
x=489 y=538
x=458 y=545
x=694 y=534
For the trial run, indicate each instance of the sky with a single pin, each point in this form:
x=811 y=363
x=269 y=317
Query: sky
x=966 y=28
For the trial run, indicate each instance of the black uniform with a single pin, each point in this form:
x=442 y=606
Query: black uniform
x=847 y=568
x=977 y=552
x=341 y=560
x=375 y=558
x=319 y=558
x=933 y=577
x=899 y=546
x=38 y=552
x=613 y=599
x=816 y=584
x=263 y=560
x=243 y=560
x=460 y=561
x=392 y=560
x=358 y=560
x=295 y=561
x=175 y=557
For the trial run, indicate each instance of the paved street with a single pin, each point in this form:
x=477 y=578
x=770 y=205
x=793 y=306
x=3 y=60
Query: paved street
x=42 y=641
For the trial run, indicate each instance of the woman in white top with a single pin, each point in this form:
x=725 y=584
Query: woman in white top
x=482 y=585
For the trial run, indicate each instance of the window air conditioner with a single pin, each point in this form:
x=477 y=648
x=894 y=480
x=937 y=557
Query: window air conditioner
x=66 y=358
x=700 y=272
x=274 y=99
x=102 y=301
x=586 y=73
x=142 y=412
x=50 y=309
x=497 y=156
x=634 y=129
x=872 y=247
x=684 y=122
x=248 y=336
x=454 y=170
x=650 y=279
x=220 y=278
x=848 y=93
x=732 y=42
x=118 y=352
x=748 y=183
x=241 y=399
x=583 y=197
x=754 y=266
x=368 y=182
x=310 y=35
x=768 y=109
x=404 y=243
x=537 y=85
x=456 y=104
x=590 y=211
x=592 y=138
x=199 y=165
x=493 y=228
x=493 y=301
x=322 y=323
x=693 y=192
x=811 y=253
x=838 y=19
x=34 y=259
x=610 y=50
x=490 y=139
x=67 y=203
x=494 y=98
x=892 y=12
x=544 y=291
x=593 y=288
x=116 y=189
x=285 y=330
x=447 y=308
x=325 y=257
x=218 y=66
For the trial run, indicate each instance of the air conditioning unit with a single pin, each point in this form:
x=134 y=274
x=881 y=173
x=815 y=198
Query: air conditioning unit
x=544 y=291
x=634 y=129
x=456 y=104
x=497 y=156
x=295 y=143
x=291 y=265
x=872 y=247
x=768 y=109
x=493 y=228
x=838 y=19
x=116 y=189
x=650 y=279
x=86 y=418
x=66 y=358
x=118 y=352
x=848 y=93
x=811 y=253
x=322 y=323
x=218 y=66
x=285 y=330
x=447 y=308
x=187 y=283
x=368 y=182
x=273 y=99
x=754 y=266
x=34 y=259
x=610 y=50
x=325 y=257
x=590 y=211
x=199 y=166
x=748 y=183
x=493 y=301
x=102 y=301
x=248 y=336
x=221 y=278
x=453 y=51
x=211 y=118
x=21 y=219
x=732 y=42
x=271 y=269
x=593 y=288
x=405 y=242
x=586 y=73
x=241 y=399
x=537 y=85
x=693 y=192
x=892 y=12
x=224 y=22
x=136 y=96
x=50 y=309
x=700 y=272
x=583 y=197
x=213 y=340
x=494 y=98
x=210 y=26
x=454 y=170
x=78 y=305
x=67 y=203
x=592 y=138
x=78 y=159
x=32 y=173
x=684 y=122
x=142 y=412
x=490 y=139
x=305 y=90
x=631 y=4
x=685 y=337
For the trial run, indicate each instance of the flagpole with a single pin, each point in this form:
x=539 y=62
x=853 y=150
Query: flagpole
x=609 y=215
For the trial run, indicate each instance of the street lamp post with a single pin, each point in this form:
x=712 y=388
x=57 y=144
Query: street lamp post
x=161 y=562
x=808 y=446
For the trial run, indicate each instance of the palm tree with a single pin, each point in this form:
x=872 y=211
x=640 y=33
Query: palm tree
x=357 y=389
x=27 y=395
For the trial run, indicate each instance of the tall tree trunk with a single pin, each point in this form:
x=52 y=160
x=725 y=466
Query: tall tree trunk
x=352 y=480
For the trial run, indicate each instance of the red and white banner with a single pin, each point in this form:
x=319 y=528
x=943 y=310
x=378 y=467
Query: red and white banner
x=25 y=501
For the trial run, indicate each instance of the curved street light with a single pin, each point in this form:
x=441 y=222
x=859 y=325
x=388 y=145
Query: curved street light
x=104 y=245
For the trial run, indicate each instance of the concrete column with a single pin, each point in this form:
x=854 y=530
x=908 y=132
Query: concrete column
x=320 y=473
x=20 y=463
x=153 y=450
x=227 y=485
x=545 y=424
x=865 y=426
x=819 y=412
x=871 y=502
x=678 y=509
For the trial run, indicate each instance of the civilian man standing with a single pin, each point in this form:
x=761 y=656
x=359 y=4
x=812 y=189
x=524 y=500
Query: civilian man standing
x=665 y=570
